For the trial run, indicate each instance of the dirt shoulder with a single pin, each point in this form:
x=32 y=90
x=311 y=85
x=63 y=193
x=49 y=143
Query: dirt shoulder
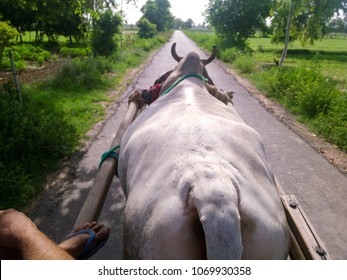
x=34 y=73
x=329 y=151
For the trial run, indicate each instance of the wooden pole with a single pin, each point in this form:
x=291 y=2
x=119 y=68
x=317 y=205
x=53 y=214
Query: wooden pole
x=15 y=78
x=96 y=197
x=305 y=242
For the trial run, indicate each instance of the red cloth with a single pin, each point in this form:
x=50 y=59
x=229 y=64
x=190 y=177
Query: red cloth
x=154 y=92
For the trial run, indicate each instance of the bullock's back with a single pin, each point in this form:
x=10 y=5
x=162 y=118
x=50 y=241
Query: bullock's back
x=188 y=140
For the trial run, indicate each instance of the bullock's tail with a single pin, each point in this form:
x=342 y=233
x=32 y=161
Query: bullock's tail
x=217 y=208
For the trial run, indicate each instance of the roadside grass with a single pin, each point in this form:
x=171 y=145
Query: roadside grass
x=312 y=83
x=37 y=137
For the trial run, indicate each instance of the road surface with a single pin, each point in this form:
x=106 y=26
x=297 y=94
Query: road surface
x=319 y=187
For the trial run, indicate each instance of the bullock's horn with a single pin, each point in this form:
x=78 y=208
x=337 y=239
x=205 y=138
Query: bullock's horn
x=174 y=53
x=211 y=58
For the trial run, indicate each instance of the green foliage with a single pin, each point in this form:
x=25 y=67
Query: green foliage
x=306 y=92
x=31 y=139
x=75 y=52
x=28 y=52
x=61 y=18
x=337 y=25
x=81 y=74
x=234 y=21
x=146 y=28
x=205 y=39
x=180 y=24
x=333 y=124
x=20 y=14
x=230 y=55
x=57 y=113
x=245 y=63
x=103 y=41
x=140 y=49
x=158 y=13
x=309 y=19
x=7 y=33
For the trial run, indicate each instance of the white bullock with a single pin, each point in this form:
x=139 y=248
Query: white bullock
x=196 y=178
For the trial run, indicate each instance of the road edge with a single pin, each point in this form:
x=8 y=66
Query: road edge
x=328 y=151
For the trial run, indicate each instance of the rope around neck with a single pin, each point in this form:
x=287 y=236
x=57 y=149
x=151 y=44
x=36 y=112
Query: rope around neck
x=181 y=79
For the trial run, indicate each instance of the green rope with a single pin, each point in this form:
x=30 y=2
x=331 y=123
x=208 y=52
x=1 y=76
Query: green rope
x=181 y=79
x=111 y=153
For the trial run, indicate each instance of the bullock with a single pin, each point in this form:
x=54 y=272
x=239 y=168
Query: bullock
x=196 y=177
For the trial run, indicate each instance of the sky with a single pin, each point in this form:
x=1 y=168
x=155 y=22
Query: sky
x=183 y=9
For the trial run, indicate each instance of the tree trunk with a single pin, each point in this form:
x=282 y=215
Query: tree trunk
x=286 y=44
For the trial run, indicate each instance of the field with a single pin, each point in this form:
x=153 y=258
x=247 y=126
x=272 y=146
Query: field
x=331 y=53
x=312 y=83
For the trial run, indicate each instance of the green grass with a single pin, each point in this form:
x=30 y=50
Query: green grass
x=331 y=53
x=57 y=113
x=326 y=44
x=29 y=37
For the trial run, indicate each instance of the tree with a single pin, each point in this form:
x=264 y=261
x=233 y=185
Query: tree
x=61 y=18
x=19 y=13
x=336 y=25
x=7 y=33
x=178 y=23
x=303 y=20
x=55 y=17
x=103 y=34
x=188 y=24
x=158 y=13
x=146 y=29
x=235 y=21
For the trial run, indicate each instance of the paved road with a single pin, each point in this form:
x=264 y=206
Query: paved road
x=319 y=187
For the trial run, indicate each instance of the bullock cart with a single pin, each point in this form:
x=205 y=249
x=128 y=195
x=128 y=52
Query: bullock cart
x=305 y=242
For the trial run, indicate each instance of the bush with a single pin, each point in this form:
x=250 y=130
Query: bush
x=245 y=63
x=305 y=90
x=31 y=138
x=315 y=98
x=75 y=52
x=146 y=28
x=230 y=55
x=19 y=64
x=81 y=74
x=103 y=40
x=7 y=33
x=333 y=124
x=28 y=52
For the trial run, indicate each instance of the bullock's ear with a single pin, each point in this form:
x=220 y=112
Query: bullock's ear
x=163 y=77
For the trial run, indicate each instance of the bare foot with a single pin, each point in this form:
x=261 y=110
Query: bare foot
x=75 y=245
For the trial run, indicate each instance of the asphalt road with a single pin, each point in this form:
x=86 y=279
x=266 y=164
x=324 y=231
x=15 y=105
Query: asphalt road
x=319 y=187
